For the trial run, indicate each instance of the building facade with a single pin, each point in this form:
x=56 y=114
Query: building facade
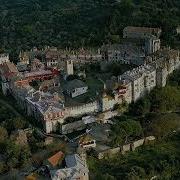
x=76 y=88
x=4 y=58
x=76 y=168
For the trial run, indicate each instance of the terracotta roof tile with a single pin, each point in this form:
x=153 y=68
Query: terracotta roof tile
x=54 y=160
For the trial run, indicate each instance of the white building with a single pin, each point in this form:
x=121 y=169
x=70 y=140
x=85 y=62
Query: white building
x=152 y=45
x=76 y=168
x=52 y=56
x=165 y=61
x=161 y=77
x=108 y=102
x=76 y=88
x=88 y=108
x=143 y=79
x=4 y=58
x=124 y=90
x=47 y=109
x=69 y=67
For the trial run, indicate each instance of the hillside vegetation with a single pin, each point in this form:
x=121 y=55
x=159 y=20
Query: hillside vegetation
x=76 y=23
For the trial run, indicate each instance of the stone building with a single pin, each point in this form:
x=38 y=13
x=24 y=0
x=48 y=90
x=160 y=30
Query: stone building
x=143 y=79
x=4 y=58
x=46 y=108
x=150 y=36
x=86 y=55
x=24 y=57
x=123 y=90
x=79 y=110
x=76 y=168
x=77 y=125
x=125 y=53
x=107 y=102
x=141 y=32
x=165 y=61
x=46 y=102
x=69 y=68
x=138 y=42
x=75 y=88
x=9 y=73
x=52 y=57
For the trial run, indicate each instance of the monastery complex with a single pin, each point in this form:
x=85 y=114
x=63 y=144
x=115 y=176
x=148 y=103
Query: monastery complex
x=48 y=102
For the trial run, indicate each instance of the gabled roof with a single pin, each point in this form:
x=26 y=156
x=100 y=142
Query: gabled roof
x=9 y=67
x=76 y=83
x=54 y=160
x=8 y=70
x=75 y=167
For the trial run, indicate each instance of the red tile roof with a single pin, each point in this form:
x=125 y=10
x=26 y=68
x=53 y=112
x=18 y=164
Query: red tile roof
x=54 y=160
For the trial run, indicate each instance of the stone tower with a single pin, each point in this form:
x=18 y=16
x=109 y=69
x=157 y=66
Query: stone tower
x=24 y=57
x=69 y=68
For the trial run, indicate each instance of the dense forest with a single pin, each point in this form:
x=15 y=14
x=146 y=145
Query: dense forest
x=77 y=23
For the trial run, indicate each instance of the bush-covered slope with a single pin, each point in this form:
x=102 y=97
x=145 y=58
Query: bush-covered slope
x=27 y=23
x=58 y=22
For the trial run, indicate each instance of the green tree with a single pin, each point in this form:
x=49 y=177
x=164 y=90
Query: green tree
x=141 y=107
x=3 y=134
x=165 y=99
x=166 y=124
x=123 y=130
x=19 y=123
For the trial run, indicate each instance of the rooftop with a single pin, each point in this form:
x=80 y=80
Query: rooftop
x=56 y=158
x=76 y=83
x=142 y=29
x=46 y=102
x=137 y=72
x=4 y=55
x=9 y=67
x=75 y=167
x=128 y=48
x=38 y=73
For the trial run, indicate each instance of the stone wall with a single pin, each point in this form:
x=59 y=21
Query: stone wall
x=125 y=148
x=82 y=109
x=70 y=127
x=76 y=126
x=136 y=144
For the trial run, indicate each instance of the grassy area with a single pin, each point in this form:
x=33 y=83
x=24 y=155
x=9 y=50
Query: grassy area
x=95 y=86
